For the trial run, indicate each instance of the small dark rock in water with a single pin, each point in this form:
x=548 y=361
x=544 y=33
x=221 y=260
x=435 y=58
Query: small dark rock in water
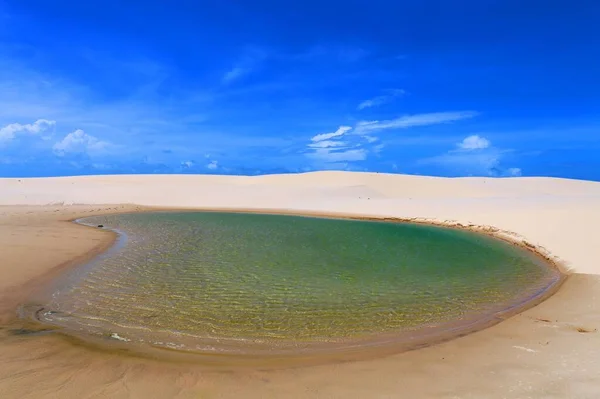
x=27 y=331
x=100 y=225
x=21 y=331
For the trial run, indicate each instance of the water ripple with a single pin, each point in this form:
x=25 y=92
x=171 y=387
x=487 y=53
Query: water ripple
x=211 y=280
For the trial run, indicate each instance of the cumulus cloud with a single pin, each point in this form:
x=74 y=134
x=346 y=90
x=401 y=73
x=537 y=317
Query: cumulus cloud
x=474 y=142
x=9 y=132
x=79 y=142
x=380 y=100
x=474 y=156
x=213 y=165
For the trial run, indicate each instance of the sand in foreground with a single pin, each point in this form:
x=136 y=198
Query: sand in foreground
x=550 y=351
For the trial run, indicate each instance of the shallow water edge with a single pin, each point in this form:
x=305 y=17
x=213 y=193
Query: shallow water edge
x=380 y=348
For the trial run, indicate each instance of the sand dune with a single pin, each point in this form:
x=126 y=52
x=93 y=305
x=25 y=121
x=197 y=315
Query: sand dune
x=544 y=210
x=550 y=351
x=123 y=187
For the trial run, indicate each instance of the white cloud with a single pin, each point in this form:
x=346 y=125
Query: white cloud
x=474 y=142
x=473 y=156
x=187 y=164
x=327 y=136
x=9 y=132
x=380 y=100
x=349 y=144
x=362 y=124
x=335 y=148
x=234 y=74
x=79 y=142
x=514 y=172
x=327 y=144
x=213 y=165
x=251 y=59
x=371 y=103
x=26 y=94
x=377 y=149
x=408 y=121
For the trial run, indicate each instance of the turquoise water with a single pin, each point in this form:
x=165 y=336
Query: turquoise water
x=223 y=282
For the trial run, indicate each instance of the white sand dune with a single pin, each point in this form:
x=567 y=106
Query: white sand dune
x=550 y=351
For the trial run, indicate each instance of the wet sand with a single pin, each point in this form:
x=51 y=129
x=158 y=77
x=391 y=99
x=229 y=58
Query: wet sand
x=549 y=351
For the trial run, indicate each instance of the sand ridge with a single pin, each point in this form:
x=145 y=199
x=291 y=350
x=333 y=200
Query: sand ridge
x=550 y=351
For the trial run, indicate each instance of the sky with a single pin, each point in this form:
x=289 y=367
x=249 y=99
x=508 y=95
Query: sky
x=496 y=88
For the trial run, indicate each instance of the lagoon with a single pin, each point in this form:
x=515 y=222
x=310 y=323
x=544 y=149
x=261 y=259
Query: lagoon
x=260 y=284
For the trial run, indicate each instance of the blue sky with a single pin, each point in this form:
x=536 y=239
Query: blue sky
x=449 y=88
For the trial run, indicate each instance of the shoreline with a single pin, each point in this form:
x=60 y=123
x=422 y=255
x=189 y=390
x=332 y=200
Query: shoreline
x=33 y=285
x=424 y=336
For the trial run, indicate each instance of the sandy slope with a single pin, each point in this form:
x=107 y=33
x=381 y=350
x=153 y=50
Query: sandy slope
x=550 y=351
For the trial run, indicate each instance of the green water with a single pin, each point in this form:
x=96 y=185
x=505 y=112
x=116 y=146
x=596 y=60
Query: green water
x=226 y=281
